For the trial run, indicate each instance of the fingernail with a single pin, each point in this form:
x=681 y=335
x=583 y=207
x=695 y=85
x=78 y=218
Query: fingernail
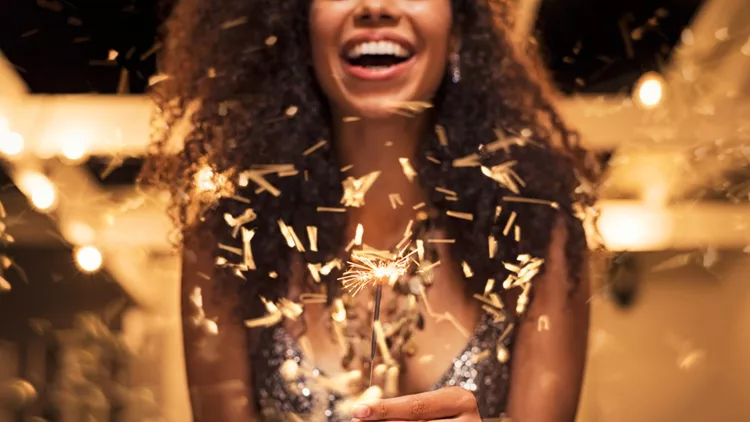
x=361 y=411
x=356 y=420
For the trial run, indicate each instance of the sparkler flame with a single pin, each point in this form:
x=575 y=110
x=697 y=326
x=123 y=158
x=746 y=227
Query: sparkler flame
x=370 y=269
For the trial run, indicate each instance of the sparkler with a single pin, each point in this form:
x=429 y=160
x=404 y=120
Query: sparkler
x=371 y=269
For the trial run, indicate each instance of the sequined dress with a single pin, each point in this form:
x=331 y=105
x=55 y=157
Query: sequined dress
x=476 y=368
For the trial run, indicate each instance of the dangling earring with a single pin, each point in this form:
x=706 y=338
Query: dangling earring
x=456 y=68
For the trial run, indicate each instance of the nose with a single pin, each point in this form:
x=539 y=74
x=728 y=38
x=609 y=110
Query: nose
x=376 y=12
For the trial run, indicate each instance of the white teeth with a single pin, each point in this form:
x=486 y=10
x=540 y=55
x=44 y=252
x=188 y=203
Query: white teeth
x=372 y=48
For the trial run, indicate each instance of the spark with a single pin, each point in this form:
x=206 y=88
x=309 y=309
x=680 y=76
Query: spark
x=446 y=191
x=247 y=236
x=510 y=222
x=369 y=269
x=407 y=168
x=312 y=235
x=395 y=200
x=460 y=215
x=315 y=147
x=505 y=176
x=236 y=223
x=409 y=108
x=330 y=209
x=522 y=199
x=234 y=23
x=442 y=135
x=356 y=189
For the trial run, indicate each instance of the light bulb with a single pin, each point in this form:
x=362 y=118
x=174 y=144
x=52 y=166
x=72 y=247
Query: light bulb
x=649 y=91
x=88 y=259
x=11 y=143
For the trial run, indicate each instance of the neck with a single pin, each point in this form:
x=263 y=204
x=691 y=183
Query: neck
x=377 y=145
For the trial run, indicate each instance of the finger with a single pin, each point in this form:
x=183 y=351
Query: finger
x=434 y=405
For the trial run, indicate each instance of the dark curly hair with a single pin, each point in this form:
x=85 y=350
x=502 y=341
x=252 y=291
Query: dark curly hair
x=233 y=68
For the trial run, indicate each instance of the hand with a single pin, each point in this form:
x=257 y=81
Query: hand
x=447 y=404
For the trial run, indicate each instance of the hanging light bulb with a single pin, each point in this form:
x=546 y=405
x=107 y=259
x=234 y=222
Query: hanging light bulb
x=649 y=90
x=88 y=259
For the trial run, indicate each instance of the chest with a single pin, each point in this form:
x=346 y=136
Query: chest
x=422 y=356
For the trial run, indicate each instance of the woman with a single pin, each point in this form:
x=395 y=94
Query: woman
x=317 y=130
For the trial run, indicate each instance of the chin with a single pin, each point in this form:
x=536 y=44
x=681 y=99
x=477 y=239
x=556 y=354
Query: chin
x=377 y=108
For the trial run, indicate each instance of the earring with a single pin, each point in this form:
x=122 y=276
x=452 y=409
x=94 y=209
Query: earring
x=456 y=68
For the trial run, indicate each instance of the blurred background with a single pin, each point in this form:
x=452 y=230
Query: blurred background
x=89 y=327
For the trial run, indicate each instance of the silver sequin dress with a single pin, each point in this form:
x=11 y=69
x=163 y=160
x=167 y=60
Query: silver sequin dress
x=477 y=369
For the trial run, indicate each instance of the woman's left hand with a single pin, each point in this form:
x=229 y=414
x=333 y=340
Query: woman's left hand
x=446 y=404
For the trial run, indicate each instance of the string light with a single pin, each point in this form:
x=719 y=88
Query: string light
x=39 y=190
x=649 y=91
x=74 y=150
x=88 y=259
x=628 y=227
x=11 y=143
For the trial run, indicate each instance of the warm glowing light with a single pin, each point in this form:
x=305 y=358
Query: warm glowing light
x=633 y=227
x=78 y=233
x=88 y=259
x=11 y=143
x=74 y=150
x=204 y=180
x=649 y=90
x=39 y=190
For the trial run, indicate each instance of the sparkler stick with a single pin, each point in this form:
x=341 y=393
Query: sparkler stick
x=375 y=318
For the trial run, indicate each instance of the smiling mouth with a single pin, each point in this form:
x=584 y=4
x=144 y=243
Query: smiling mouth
x=377 y=55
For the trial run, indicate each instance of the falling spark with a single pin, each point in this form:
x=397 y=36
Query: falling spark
x=441 y=240
x=330 y=209
x=234 y=23
x=509 y=224
x=360 y=232
x=504 y=175
x=315 y=147
x=356 y=189
x=466 y=269
x=434 y=160
x=407 y=168
x=442 y=135
x=409 y=108
x=312 y=235
x=542 y=323
x=247 y=236
x=395 y=200
x=522 y=199
x=460 y=215
x=236 y=222
x=273 y=317
x=446 y=191
x=492 y=242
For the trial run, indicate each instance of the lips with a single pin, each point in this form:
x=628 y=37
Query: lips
x=377 y=57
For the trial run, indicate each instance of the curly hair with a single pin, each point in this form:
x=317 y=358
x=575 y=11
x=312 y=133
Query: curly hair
x=247 y=62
